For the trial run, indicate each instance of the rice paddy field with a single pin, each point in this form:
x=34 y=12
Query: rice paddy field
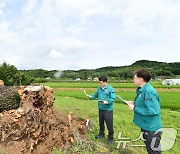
x=70 y=97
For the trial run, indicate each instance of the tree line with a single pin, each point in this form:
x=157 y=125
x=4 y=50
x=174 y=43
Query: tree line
x=157 y=69
x=12 y=76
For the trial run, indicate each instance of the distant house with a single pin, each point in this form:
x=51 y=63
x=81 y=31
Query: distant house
x=158 y=78
x=171 y=82
x=89 y=79
x=77 y=79
x=96 y=79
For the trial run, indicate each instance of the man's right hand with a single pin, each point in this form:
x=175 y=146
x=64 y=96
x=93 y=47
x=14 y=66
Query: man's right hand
x=131 y=105
x=130 y=102
x=89 y=96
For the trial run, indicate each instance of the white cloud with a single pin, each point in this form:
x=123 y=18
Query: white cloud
x=76 y=30
x=87 y=33
x=144 y=16
x=30 y=6
x=2 y=4
x=55 y=54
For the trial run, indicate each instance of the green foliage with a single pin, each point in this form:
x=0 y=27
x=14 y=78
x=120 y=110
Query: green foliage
x=127 y=72
x=40 y=73
x=11 y=76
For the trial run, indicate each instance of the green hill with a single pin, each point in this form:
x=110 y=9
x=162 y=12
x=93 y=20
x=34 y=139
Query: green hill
x=11 y=76
x=126 y=72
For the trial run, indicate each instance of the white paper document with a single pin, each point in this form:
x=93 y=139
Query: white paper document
x=122 y=99
x=90 y=95
x=85 y=93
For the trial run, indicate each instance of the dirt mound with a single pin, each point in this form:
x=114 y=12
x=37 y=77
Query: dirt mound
x=34 y=127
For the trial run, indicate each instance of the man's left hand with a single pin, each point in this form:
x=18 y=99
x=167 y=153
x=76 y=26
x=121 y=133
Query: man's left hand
x=105 y=102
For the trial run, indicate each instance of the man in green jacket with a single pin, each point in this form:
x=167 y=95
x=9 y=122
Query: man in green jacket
x=106 y=96
x=146 y=107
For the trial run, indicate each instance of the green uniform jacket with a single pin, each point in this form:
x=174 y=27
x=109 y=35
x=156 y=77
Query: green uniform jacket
x=147 y=108
x=107 y=94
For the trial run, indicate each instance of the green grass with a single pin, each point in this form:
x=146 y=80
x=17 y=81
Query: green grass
x=122 y=121
x=70 y=97
x=156 y=84
x=169 y=100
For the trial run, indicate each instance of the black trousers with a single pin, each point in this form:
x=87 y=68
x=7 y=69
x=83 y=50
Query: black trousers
x=107 y=117
x=152 y=141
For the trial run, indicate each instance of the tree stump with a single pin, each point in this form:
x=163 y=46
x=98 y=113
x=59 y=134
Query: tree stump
x=9 y=98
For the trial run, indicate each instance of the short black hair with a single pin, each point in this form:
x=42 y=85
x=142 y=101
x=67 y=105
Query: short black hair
x=103 y=78
x=144 y=74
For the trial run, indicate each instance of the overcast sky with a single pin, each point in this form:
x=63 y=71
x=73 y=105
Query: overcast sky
x=76 y=34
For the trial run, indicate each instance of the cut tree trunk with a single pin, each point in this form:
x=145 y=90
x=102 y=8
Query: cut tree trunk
x=34 y=127
x=9 y=98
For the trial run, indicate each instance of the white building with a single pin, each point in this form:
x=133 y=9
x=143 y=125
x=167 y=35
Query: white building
x=89 y=79
x=96 y=79
x=77 y=79
x=171 y=82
